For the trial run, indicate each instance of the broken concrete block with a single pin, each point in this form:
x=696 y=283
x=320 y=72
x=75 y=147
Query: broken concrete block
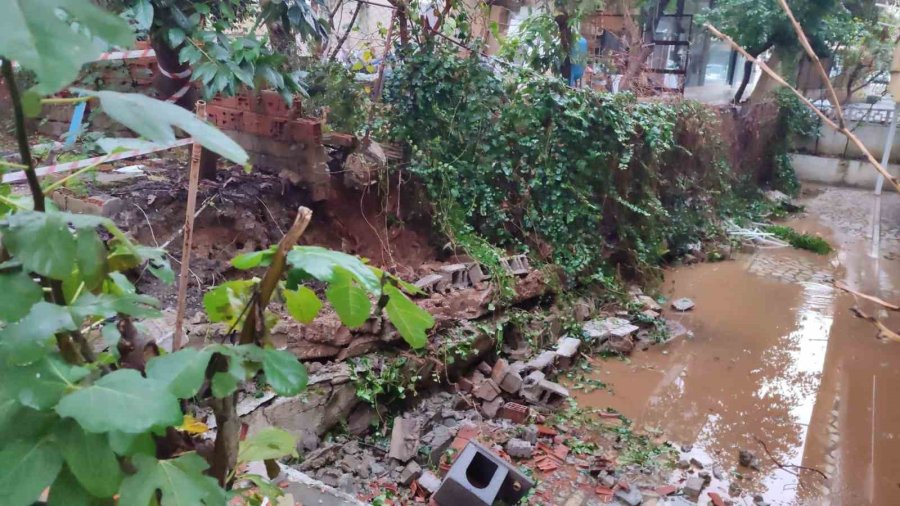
x=683 y=304
x=530 y=434
x=538 y=390
x=485 y=368
x=492 y=407
x=542 y=362
x=477 y=274
x=429 y=284
x=487 y=390
x=601 y=330
x=692 y=488
x=567 y=351
x=648 y=303
x=630 y=497
x=553 y=394
x=505 y=377
x=429 y=481
x=410 y=473
x=438 y=440
x=519 y=448
x=404 y=439
x=479 y=477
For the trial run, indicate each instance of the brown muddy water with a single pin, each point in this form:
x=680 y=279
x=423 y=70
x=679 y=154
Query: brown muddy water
x=779 y=366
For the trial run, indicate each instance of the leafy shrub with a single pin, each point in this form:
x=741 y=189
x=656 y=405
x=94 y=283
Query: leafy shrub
x=588 y=181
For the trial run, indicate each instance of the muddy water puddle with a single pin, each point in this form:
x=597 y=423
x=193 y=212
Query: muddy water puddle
x=777 y=365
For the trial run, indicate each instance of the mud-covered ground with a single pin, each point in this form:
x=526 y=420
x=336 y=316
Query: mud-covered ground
x=780 y=367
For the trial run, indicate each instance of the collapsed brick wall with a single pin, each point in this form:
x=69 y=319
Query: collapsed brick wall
x=276 y=136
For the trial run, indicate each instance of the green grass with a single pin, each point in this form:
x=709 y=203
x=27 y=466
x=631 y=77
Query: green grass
x=801 y=241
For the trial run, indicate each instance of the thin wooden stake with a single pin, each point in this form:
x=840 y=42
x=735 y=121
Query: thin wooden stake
x=183 y=278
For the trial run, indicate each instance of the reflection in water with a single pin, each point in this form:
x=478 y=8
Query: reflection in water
x=778 y=356
x=752 y=371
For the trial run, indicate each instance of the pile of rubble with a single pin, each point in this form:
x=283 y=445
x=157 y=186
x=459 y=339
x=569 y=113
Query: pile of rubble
x=508 y=408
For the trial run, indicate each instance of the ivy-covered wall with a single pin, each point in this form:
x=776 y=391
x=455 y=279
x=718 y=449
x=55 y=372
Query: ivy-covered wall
x=596 y=183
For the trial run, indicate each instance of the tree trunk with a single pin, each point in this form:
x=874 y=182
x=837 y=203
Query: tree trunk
x=766 y=84
x=167 y=60
x=748 y=70
x=565 y=42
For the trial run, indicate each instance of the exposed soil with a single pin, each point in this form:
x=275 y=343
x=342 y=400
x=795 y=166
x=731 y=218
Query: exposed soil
x=241 y=212
x=780 y=367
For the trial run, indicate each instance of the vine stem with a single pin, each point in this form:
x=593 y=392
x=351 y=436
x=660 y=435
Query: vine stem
x=22 y=136
x=63 y=101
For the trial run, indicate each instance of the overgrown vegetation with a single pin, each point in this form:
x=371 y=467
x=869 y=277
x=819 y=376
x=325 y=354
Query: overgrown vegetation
x=808 y=242
x=596 y=183
x=90 y=409
x=794 y=121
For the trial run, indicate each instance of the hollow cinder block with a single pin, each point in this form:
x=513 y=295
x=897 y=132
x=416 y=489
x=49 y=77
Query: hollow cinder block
x=478 y=477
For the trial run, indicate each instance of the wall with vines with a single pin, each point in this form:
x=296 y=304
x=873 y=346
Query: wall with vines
x=592 y=182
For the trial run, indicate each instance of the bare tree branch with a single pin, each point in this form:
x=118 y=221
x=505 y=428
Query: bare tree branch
x=832 y=95
x=825 y=119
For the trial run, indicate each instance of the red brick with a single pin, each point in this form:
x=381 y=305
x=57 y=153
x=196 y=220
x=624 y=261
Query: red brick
x=666 y=490
x=306 y=130
x=514 y=411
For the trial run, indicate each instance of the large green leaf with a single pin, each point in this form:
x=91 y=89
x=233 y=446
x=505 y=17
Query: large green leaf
x=41 y=384
x=351 y=302
x=302 y=304
x=182 y=371
x=269 y=443
x=155 y=120
x=225 y=302
x=284 y=373
x=32 y=34
x=90 y=458
x=132 y=444
x=320 y=263
x=27 y=467
x=27 y=340
x=123 y=401
x=66 y=491
x=108 y=305
x=181 y=482
x=411 y=321
x=41 y=241
x=253 y=259
x=90 y=257
x=20 y=292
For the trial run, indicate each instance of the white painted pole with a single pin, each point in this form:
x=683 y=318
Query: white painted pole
x=879 y=184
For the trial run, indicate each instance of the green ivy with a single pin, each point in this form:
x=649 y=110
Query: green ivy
x=581 y=179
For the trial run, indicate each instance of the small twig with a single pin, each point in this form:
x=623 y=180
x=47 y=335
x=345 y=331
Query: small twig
x=149 y=225
x=784 y=467
x=340 y=42
x=883 y=331
x=63 y=101
x=887 y=305
x=180 y=231
x=270 y=215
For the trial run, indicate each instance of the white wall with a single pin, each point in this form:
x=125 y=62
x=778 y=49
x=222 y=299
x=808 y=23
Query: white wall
x=839 y=171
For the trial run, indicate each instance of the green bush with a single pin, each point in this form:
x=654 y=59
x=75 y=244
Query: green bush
x=592 y=182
